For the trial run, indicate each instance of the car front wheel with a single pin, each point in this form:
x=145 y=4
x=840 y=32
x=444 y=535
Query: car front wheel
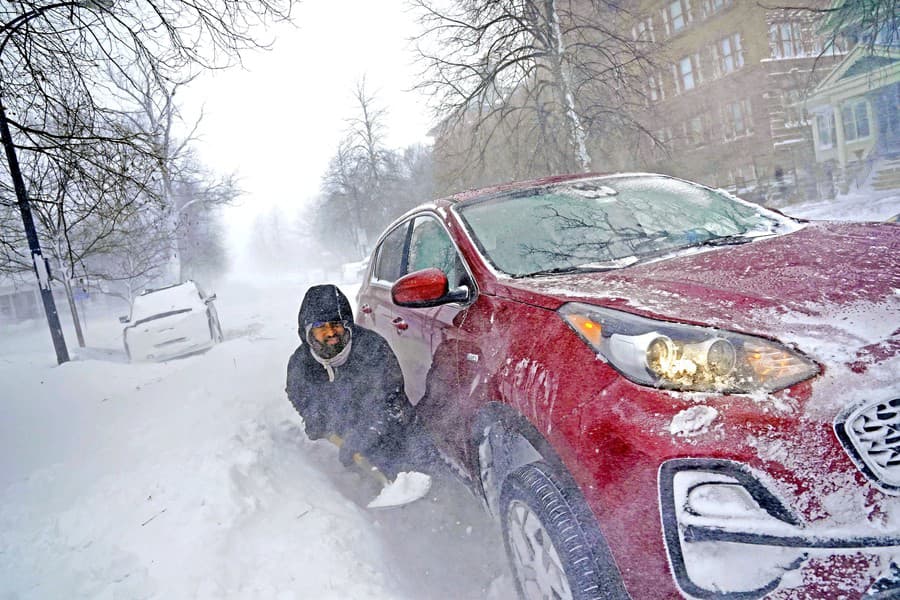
x=549 y=549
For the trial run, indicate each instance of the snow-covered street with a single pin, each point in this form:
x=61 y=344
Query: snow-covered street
x=193 y=479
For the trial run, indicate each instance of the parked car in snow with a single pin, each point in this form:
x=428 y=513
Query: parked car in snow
x=171 y=321
x=659 y=389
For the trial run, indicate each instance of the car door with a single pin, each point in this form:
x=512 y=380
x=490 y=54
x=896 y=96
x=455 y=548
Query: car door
x=376 y=309
x=407 y=332
x=429 y=246
x=453 y=367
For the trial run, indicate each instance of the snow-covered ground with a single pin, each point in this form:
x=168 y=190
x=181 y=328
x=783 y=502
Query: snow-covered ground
x=192 y=478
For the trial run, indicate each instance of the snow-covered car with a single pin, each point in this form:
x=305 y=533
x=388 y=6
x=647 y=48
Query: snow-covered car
x=659 y=389
x=170 y=322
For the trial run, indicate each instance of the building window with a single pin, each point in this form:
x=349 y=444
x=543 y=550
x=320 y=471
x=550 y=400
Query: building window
x=663 y=141
x=791 y=40
x=737 y=119
x=694 y=132
x=711 y=7
x=856 y=120
x=643 y=31
x=687 y=73
x=826 y=130
x=676 y=15
x=795 y=114
x=729 y=54
x=654 y=88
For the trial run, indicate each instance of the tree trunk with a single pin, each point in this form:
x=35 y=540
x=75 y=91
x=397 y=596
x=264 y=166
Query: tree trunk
x=577 y=134
x=76 y=319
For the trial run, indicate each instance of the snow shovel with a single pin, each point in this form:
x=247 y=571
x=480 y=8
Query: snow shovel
x=407 y=487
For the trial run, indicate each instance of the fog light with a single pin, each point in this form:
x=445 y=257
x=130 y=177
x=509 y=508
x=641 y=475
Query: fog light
x=723 y=496
x=724 y=500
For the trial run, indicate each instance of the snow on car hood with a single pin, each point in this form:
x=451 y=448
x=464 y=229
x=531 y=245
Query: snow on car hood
x=837 y=284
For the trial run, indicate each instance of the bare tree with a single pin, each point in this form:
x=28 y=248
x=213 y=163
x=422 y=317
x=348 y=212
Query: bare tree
x=59 y=64
x=81 y=211
x=360 y=173
x=544 y=78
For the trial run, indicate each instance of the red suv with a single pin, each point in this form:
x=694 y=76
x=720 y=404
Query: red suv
x=659 y=389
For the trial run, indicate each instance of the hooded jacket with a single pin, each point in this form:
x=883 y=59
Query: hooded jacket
x=366 y=403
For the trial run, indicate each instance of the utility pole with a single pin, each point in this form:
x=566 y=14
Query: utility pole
x=41 y=266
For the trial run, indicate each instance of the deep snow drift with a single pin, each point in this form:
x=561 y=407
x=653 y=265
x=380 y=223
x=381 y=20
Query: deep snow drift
x=192 y=478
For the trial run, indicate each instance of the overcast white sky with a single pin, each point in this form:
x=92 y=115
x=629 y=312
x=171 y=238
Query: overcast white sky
x=278 y=121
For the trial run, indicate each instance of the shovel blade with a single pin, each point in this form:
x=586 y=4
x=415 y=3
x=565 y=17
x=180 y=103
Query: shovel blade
x=407 y=487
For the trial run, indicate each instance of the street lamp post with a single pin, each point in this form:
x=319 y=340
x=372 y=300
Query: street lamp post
x=41 y=266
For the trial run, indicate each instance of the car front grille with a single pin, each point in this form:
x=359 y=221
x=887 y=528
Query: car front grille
x=871 y=435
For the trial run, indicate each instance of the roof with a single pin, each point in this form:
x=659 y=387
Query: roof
x=860 y=71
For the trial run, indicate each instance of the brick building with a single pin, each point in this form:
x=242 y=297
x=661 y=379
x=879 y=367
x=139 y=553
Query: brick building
x=726 y=96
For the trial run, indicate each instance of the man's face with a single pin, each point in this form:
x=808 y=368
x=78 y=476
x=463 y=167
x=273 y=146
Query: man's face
x=329 y=333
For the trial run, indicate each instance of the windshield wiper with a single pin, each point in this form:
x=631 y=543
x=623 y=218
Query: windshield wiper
x=736 y=239
x=594 y=267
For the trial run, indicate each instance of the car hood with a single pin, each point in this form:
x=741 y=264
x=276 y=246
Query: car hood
x=836 y=283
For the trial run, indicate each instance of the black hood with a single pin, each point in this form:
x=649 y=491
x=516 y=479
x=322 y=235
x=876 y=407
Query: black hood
x=324 y=303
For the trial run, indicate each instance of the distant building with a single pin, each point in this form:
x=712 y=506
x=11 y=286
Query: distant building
x=856 y=119
x=20 y=298
x=740 y=96
x=726 y=98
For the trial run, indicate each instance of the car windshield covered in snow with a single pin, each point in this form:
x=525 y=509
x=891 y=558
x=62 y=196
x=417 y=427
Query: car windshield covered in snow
x=181 y=297
x=608 y=223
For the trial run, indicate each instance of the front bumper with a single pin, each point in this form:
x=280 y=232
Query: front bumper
x=728 y=536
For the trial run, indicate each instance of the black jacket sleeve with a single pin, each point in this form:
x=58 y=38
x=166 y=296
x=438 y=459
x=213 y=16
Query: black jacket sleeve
x=298 y=393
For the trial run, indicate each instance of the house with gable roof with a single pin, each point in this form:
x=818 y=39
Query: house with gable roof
x=856 y=119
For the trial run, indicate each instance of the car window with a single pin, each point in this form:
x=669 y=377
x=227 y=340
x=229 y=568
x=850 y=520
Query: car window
x=599 y=222
x=430 y=246
x=389 y=264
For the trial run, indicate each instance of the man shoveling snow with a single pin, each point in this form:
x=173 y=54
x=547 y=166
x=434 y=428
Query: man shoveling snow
x=345 y=382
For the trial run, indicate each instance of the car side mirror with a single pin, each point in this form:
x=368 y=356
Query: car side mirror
x=124 y=319
x=209 y=298
x=426 y=288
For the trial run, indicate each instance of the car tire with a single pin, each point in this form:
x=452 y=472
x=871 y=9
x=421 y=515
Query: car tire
x=550 y=551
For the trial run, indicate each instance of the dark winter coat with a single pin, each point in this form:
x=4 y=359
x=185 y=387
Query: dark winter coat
x=366 y=404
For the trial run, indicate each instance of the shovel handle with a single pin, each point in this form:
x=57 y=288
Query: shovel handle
x=361 y=461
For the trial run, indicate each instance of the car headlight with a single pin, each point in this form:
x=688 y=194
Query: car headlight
x=685 y=357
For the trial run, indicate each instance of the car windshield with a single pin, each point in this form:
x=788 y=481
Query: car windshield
x=177 y=297
x=608 y=223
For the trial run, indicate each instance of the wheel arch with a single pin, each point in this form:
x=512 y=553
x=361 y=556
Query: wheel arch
x=505 y=438
x=509 y=441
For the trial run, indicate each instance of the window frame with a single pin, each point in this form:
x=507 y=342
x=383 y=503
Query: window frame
x=735 y=54
x=404 y=250
x=642 y=30
x=696 y=77
x=825 y=123
x=853 y=108
x=465 y=274
x=684 y=16
x=730 y=119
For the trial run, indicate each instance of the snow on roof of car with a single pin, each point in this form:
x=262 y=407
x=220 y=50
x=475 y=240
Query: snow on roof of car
x=175 y=297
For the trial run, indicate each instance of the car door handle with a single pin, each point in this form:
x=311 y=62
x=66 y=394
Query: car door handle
x=366 y=309
x=400 y=324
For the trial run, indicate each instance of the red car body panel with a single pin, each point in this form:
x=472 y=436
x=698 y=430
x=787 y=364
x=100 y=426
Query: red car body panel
x=510 y=345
